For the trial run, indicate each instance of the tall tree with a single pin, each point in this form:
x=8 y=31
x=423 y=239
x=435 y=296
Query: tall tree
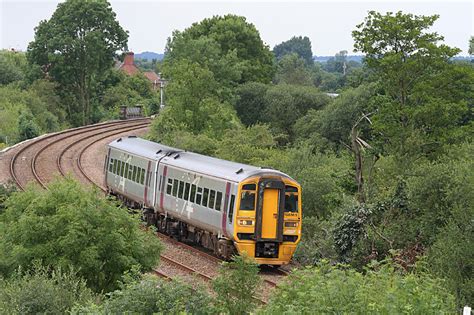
x=76 y=47
x=298 y=45
x=410 y=61
x=228 y=45
x=292 y=69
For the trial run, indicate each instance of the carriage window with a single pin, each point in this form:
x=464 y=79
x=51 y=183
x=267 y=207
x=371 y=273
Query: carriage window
x=169 y=187
x=122 y=168
x=247 y=200
x=111 y=165
x=212 y=199
x=116 y=166
x=199 y=195
x=205 y=197
x=218 y=201
x=148 y=179
x=142 y=176
x=231 y=208
x=134 y=175
x=126 y=170
x=186 y=191
x=181 y=189
x=175 y=188
x=193 y=193
x=130 y=171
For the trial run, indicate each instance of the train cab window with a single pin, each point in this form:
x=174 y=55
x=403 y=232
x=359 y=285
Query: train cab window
x=134 y=174
x=205 y=197
x=181 y=189
x=175 y=187
x=186 y=191
x=192 y=197
x=249 y=187
x=199 y=195
x=291 y=199
x=231 y=208
x=218 y=201
x=212 y=199
x=169 y=187
x=247 y=199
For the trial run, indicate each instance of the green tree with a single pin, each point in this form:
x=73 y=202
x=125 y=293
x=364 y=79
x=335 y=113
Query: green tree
x=296 y=45
x=27 y=128
x=292 y=69
x=227 y=45
x=250 y=103
x=236 y=286
x=42 y=291
x=12 y=66
x=408 y=59
x=76 y=47
x=471 y=46
x=339 y=290
x=67 y=225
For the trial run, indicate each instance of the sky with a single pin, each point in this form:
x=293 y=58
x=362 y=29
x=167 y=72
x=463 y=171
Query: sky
x=328 y=24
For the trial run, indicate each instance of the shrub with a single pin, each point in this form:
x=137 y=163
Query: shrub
x=329 y=289
x=68 y=225
x=42 y=290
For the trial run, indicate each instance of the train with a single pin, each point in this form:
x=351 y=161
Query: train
x=224 y=206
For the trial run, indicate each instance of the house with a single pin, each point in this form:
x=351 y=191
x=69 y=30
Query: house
x=128 y=67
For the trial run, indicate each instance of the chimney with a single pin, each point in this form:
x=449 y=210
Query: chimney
x=128 y=60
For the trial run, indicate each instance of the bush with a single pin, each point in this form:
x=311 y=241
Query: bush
x=68 y=225
x=329 y=289
x=42 y=290
x=236 y=286
x=151 y=295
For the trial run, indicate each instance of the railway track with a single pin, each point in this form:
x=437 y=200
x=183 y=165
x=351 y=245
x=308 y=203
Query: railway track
x=63 y=152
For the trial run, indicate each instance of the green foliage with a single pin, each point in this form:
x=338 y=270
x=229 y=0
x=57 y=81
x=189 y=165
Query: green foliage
x=151 y=295
x=12 y=66
x=236 y=285
x=76 y=47
x=285 y=104
x=228 y=46
x=301 y=46
x=292 y=69
x=410 y=64
x=42 y=291
x=27 y=128
x=452 y=255
x=338 y=290
x=70 y=226
x=250 y=103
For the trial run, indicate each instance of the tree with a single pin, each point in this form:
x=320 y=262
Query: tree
x=292 y=69
x=227 y=45
x=471 y=46
x=408 y=59
x=76 y=47
x=250 y=102
x=296 y=45
x=12 y=66
x=68 y=225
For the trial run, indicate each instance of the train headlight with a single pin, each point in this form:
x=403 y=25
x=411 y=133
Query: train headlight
x=291 y=224
x=246 y=222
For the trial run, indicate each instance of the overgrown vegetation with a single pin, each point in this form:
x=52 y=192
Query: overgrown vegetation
x=385 y=164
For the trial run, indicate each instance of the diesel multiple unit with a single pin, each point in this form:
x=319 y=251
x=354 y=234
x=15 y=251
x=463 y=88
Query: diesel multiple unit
x=225 y=206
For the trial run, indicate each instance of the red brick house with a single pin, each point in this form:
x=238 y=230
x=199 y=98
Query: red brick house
x=128 y=66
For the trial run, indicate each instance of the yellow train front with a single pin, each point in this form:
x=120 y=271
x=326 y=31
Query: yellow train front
x=267 y=223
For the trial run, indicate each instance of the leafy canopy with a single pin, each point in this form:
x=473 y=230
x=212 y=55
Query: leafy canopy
x=298 y=45
x=68 y=225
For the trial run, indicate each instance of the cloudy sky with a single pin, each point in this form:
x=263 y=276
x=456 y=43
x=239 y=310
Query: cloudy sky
x=327 y=23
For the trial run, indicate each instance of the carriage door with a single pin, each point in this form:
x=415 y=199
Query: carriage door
x=270 y=210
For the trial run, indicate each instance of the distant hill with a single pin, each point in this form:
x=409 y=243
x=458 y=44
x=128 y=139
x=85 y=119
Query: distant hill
x=149 y=55
x=356 y=58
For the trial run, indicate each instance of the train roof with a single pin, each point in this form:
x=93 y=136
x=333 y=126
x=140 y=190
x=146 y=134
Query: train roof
x=191 y=161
